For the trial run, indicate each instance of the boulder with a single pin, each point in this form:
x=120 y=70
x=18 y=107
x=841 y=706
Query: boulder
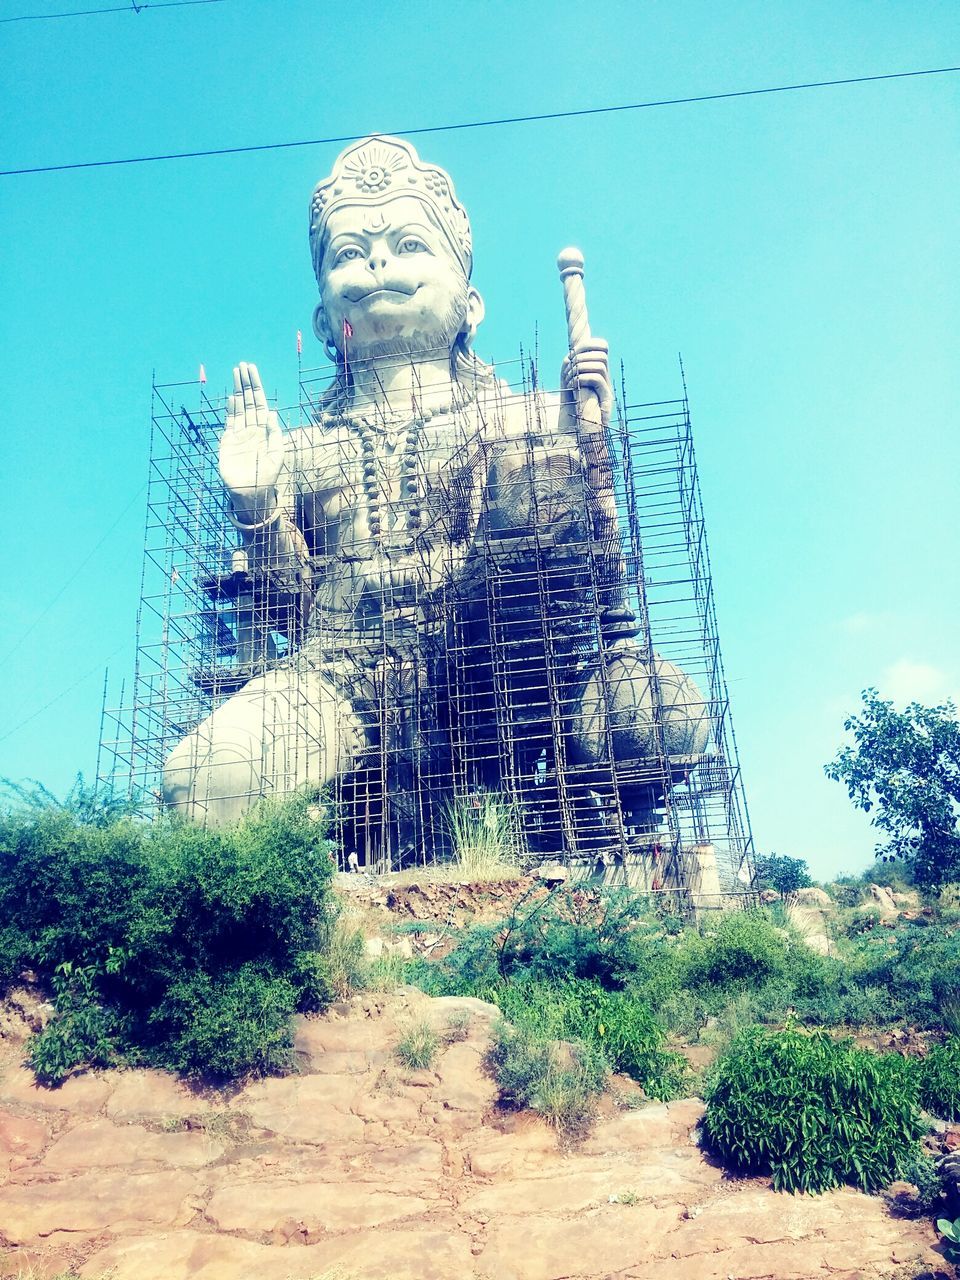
x=883 y=897
x=814 y=897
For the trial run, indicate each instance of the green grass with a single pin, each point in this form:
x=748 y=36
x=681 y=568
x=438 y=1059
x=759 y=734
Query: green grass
x=417 y=1049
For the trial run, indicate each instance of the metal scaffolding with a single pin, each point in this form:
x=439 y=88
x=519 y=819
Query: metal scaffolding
x=463 y=672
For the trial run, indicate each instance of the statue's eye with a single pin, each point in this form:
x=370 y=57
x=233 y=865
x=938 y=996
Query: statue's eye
x=411 y=244
x=349 y=253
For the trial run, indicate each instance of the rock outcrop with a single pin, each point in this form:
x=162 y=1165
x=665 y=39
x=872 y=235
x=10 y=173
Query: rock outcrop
x=361 y=1169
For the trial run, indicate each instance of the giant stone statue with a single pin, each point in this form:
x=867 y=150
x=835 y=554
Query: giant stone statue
x=442 y=553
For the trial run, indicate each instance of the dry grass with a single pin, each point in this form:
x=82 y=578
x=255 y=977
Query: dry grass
x=486 y=834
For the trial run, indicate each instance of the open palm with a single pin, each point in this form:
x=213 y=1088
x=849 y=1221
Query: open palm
x=251 y=447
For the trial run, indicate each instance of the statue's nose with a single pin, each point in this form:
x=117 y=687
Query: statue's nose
x=376 y=262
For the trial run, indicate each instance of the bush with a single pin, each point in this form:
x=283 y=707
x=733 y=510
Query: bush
x=561 y=1082
x=167 y=943
x=744 y=948
x=920 y=1169
x=846 y=891
x=812 y=1111
x=613 y=1023
x=940 y=1080
x=906 y=963
x=781 y=872
x=486 y=835
x=945 y=990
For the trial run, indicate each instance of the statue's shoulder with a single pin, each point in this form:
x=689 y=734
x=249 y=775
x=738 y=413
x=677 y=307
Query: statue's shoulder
x=524 y=412
x=314 y=453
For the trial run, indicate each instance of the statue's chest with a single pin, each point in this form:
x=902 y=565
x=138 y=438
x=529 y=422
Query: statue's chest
x=385 y=481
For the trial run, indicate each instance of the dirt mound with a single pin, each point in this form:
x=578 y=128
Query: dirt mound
x=361 y=1169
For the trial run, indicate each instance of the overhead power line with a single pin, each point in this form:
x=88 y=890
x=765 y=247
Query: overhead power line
x=70 y=580
x=484 y=124
x=62 y=694
x=121 y=8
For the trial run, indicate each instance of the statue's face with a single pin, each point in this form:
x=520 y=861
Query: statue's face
x=390 y=272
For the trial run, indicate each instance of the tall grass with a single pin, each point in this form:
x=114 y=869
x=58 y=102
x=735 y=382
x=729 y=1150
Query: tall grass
x=486 y=835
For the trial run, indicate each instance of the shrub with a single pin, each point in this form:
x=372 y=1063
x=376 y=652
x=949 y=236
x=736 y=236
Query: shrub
x=613 y=1023
x=561 y=1082
x=486 y=835
x=418 y=1047
x=603 y=936
x=167 y=943
x=744 y=948
x=846 y=891
x=940 y=1080
x=945 y=990
x=906 y=963
x=812 y=1111
x=341 y=942
x=920 y=1169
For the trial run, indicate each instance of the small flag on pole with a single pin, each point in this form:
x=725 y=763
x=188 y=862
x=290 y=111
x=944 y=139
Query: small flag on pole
x=347 y=328
x=299 y=343
x=203 y=375
x=175 y=575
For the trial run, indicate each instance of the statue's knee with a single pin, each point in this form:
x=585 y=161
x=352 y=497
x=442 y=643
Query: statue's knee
x=214 y=773
x=614 y=711
x=179 y=775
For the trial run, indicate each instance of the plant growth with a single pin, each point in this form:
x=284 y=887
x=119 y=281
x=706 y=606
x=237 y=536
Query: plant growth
x=812 y=1111
x=904 y=768
x=167 y=943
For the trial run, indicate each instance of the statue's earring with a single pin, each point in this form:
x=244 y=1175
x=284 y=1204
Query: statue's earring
x=333 y=355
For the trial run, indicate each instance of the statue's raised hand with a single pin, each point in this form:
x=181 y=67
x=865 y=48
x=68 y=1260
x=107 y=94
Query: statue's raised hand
x=251 y=447
x=586 y=384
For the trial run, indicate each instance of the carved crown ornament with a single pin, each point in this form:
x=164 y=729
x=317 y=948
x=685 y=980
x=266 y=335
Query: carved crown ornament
x=378 y=168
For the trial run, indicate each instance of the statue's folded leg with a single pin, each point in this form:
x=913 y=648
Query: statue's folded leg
x=283 y=730
x=613 y=708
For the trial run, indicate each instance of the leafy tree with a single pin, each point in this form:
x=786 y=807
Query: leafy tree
x=904 y=767
x=783 y=873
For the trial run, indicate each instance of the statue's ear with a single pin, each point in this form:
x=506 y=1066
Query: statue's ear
x=475 y=314
x=320 y=326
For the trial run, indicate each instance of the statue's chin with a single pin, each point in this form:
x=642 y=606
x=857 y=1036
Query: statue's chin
x=420 y=343
x=382 y=328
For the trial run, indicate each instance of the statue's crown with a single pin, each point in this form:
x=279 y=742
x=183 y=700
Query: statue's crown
x=374 y=170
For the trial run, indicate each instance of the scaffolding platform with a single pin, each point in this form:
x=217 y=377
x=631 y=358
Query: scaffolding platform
x=462 y=675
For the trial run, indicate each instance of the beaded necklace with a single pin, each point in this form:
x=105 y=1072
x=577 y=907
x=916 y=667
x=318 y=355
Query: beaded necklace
x=373 y=432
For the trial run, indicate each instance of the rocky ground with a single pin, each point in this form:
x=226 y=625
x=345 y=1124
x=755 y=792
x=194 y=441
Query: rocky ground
x=360 y=1169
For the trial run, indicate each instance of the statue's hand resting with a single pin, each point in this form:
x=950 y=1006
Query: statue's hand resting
x=587 y=389
x=251 y=447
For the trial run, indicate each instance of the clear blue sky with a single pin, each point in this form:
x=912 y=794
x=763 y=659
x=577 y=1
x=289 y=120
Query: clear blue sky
x=800 y=250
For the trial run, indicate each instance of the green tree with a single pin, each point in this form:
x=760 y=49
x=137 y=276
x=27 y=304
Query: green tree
x=904 y=768
x=781 y=872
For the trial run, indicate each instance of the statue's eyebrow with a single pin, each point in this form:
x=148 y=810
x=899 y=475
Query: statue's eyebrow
x=345 y=235
x=403 y=227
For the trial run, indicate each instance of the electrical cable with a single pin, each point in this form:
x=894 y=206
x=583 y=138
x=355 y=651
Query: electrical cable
x=123 y=8
x=70 y=579
x=62 y=694
x=481 y=124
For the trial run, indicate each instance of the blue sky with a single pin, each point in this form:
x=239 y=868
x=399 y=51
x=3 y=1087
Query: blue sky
x=800 y=250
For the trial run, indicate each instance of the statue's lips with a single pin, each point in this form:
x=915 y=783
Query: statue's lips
x=355 y=295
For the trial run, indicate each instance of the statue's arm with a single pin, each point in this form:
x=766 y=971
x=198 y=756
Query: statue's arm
x=258 y=468
x=274 y=543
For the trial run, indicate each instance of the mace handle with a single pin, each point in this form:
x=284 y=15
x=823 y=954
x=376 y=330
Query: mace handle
x=570 y=265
